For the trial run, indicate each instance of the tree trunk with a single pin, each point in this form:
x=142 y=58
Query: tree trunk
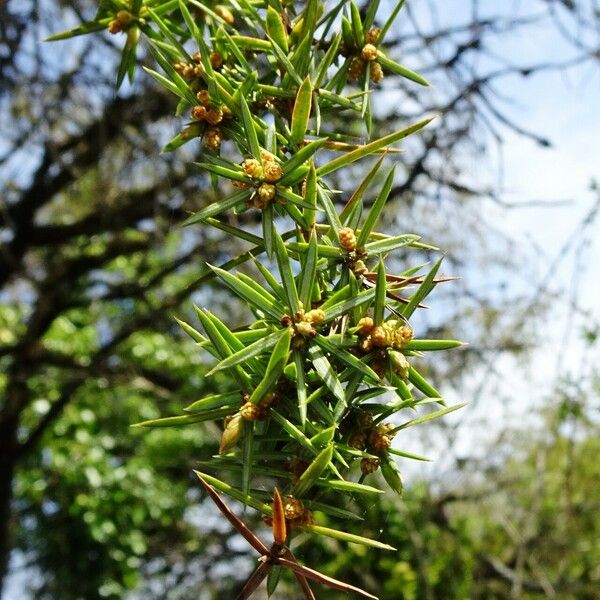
x=15 y=399
x=8 y=445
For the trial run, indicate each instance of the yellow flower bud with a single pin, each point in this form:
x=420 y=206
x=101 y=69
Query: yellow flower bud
x=252 y=168
x=216 y=60
x=266 y=192
x=369 y=52
x=379 y=442
x=124 y=17
x=224 y=13
x=360 y=267
x=115 y=27
x=305 y=329
x=379 y=337
x=358 y=440
x=272 y=172
x=372 y=36
x=366 y=325
x=375 y=72
x=315 y=316
x=402 y=336
x=347 y=239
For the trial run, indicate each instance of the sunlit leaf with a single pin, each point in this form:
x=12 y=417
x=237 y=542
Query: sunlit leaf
x=313 y=472
x=301 y=112
x=347 y=537
x=361 y=152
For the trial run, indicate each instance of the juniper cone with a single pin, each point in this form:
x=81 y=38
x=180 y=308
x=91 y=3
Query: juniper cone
x=326 y=375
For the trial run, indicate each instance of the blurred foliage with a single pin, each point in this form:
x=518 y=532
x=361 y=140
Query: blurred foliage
x=527 y=528
x=96 y=499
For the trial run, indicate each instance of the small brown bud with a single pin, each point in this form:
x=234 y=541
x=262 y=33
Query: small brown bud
x=115 y=27
x=224 y=13
x=347 y=239
x=379 y=442
x=199 y=113
x=357 y=69
x=214 y=116
x=366 y=345
x=216 y=60
x=369 y=465
x=369 y=52
x=375 y=72
x=286 y=321
x=292 y=508
x=252 y=412
x=268 y=399
x=379 y=337
x=272 y=172
x=364 y=420
x=203 y=97
x=372 y=36
x=358 y=440
x=212 y=139
x=242 y=185
x=197 y=58
x=366 y=326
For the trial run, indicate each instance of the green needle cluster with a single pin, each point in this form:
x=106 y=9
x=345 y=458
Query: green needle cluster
x=323 y=379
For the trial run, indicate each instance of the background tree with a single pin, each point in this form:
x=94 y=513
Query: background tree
x=519 y=524
x=89 y=177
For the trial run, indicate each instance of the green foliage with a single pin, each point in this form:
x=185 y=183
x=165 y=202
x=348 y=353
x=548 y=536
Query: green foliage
x=96 y=493
x=327 y=355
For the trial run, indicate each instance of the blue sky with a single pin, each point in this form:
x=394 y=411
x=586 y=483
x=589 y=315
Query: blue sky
x=549 y=189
